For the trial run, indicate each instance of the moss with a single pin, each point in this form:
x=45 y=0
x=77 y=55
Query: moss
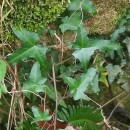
x=108 y=13
x=32 y=14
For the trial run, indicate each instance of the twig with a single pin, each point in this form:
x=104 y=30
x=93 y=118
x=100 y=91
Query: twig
x=27 y=91
x=11 y=108
x=64 y=61
x=11 y=71
x=113 y=99
x=117 y=106
x=56 y=94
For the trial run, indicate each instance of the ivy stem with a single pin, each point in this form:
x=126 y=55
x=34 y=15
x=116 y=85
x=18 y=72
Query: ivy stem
x=56 y=95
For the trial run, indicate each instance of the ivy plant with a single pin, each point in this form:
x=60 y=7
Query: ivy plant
x=56 y=90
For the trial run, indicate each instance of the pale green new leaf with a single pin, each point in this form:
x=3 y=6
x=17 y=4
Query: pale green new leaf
x=86 y=82
x=85 y=5
x=2 y=70
x=28 y=38
x=40 y=115
x=71 y=23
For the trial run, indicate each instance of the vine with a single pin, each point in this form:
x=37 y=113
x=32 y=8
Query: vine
x=48 y=91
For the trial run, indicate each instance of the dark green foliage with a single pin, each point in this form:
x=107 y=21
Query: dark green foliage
x=45 y=75
x=84 y=116
x=30 y=49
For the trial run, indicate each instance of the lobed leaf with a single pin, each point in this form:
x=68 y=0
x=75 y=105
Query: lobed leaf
x=85 y=47
x=40 y=115
x=86 y=82
x=71 y=23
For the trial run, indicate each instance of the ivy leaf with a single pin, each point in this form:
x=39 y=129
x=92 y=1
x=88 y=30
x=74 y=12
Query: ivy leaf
x=86 y=82
x=81 y=38
x=127 y=42
x=33 y=87
x=85 y=5
x=69 y=70
x=2 y=70
x=30 y=38
x=125 y=86
x=37 y=52
x=84 y=56
x=35 y=74
x=85 y=47
x=117 y=33
x=40 y=115
x=71 y=23
x=35 y=83
x=113 y=71
x=29 y=49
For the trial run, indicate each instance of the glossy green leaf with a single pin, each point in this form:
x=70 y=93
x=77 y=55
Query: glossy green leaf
x=86 y=82
x=28 y=38
x=35 y=83
x=35 y=74
x=85 y=47
x=40 y=115
x=71 y=23
x=84 y=56
x=81 y=39
x=2 y=70
x=85 y=5
x=33 y=87
x=37 y=52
